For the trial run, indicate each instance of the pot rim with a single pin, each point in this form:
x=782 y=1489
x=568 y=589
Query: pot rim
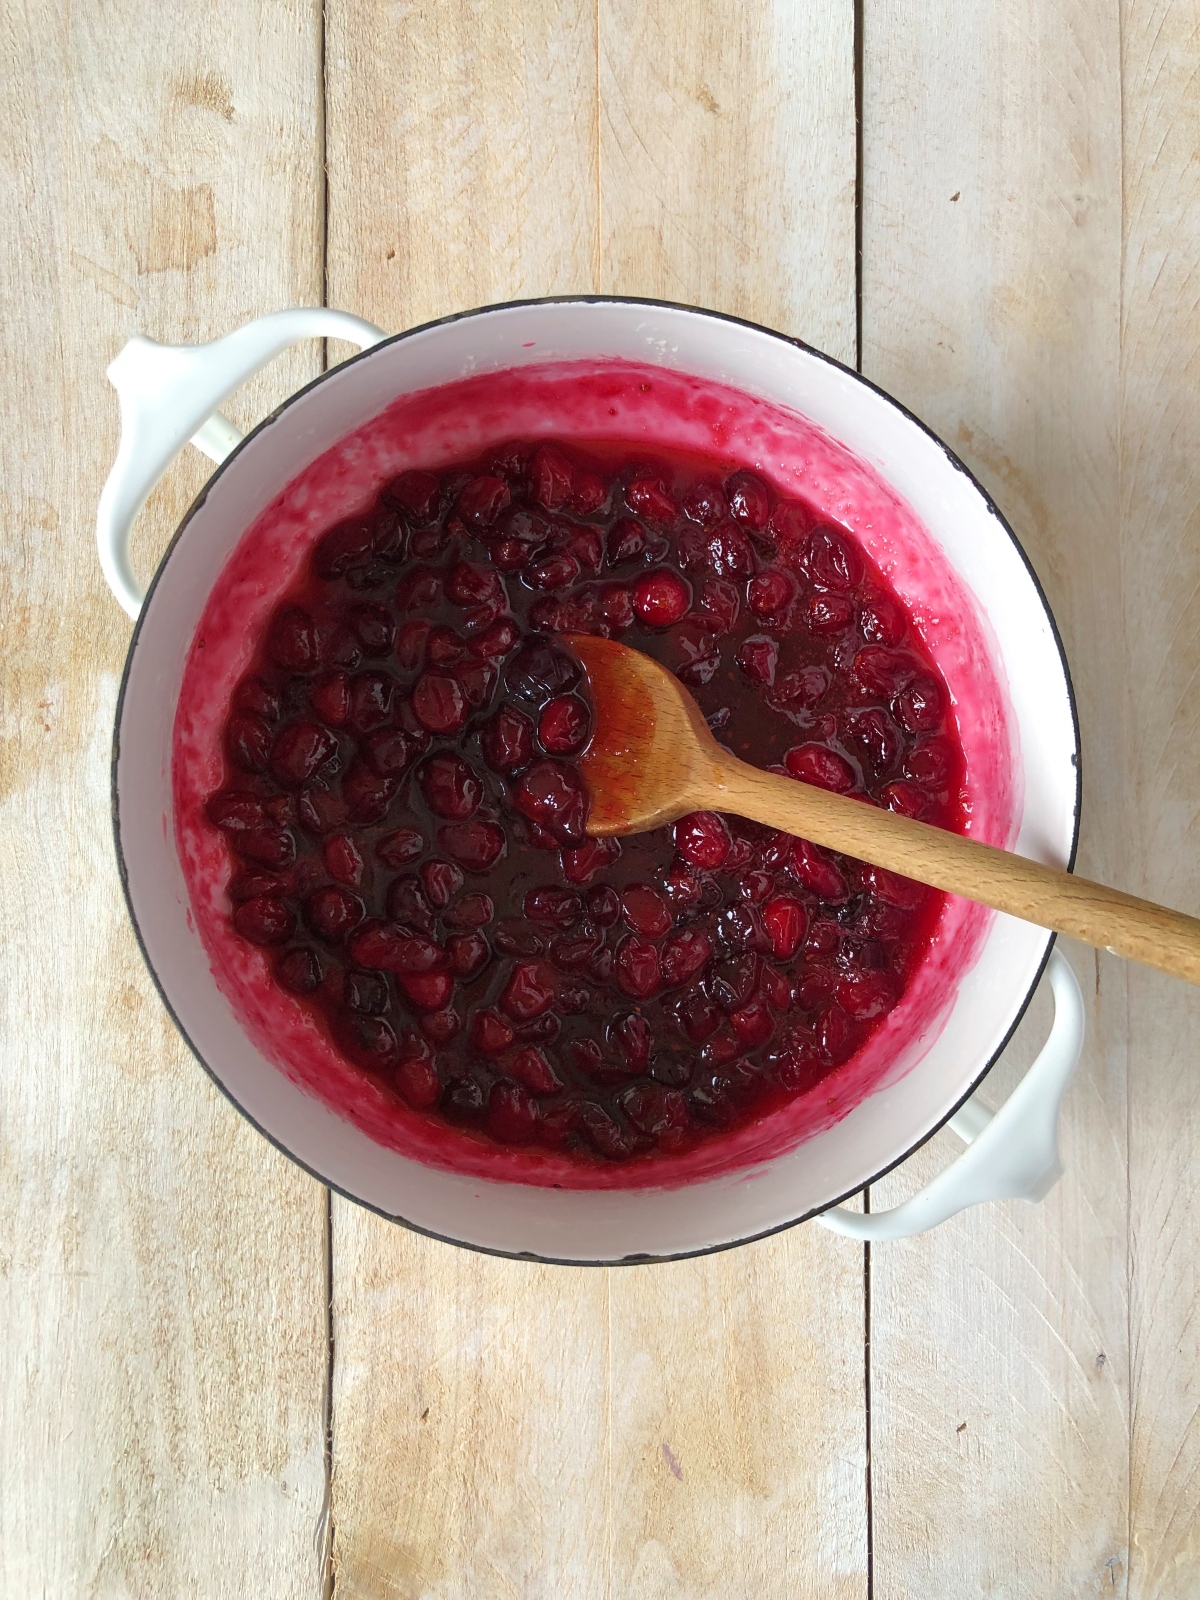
x=637 y=1258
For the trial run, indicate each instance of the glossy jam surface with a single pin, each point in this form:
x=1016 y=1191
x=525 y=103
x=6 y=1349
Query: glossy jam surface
x=406 y=826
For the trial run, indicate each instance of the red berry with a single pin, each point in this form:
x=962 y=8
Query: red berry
x=417 y=493
x=299 y=971
x=771 y=591
x=439 y=703
x=786 y=921
x=813 y=763
x=626 y=541
x=830 y=559
x=647 y=498
x=490 y=1032
x=441 y=881
x=582 y=863
x=417 y=1080
x=637 y=967
x=552 y=795
x=530 y=1067
x=333 y=912
x=645 y=910
x=449 y=786
x=482 y=500
x=564 y=725
x=905 y=798
x=558 y=571
x=890 y=886
x=530 y=990
x=498 y=639
x=439 y=1027
x=881 y=621
x=818 y=873
x=616 y=607
x=930 y=763
x=884 y=671
x=753 y=1024
x=508 y=741
x=878 y=736
x=512 y=1115
x=590 y=493
x=397 y=849
x=702 y=839
x=292 y=640
x=829 y=614
x=757 y=658
x=559 y=907
x=551 y=477
x=685 y=955
x=469 y=954
x=248 y=743
x=477 y=845
x=919 y=706
x=235 y=811
x=330 y=698
x=706 y=504
x=749 y=500
x=661 y=598
x=472 y=911
x=264 y=920
x=865 y=995
x=266 y=847
x=631 y=1035
x=368 y=795
x=719 y=605
x=469 y=584
x=411 y=643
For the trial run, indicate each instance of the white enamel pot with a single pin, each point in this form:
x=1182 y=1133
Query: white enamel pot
x=170 y=395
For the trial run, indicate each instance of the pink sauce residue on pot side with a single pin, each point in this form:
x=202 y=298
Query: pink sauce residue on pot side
x=586 y=401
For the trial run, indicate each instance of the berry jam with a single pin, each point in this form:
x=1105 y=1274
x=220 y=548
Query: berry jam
x=408 y=827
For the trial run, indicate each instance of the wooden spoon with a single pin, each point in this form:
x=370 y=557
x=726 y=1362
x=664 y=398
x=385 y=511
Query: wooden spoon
x=653 y=758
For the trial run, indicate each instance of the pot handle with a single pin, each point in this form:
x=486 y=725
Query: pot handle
x=170 y=394
x=1010 y=1155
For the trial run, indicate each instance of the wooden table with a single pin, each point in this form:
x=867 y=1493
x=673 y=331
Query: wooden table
x=217 y=1383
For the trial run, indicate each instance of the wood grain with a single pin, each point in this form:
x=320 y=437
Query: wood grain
x=161 y=1268
x=991 y=306
x=1160 y=511
x=501 y=1429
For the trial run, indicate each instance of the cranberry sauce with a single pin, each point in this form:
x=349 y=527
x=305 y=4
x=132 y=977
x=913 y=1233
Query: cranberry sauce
x=407 y=826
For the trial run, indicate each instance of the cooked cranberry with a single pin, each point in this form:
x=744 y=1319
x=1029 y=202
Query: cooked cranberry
x=248 y=742
x=905 y=798
x=514 y=937
x=266 y=847
x=865 y=995
x=482 y=500
x=417 y=1080
x=603 y=905
x=551 y=477
x=609 y=1138
x=368 y=1041
x=647 y=498
x=497 y=640
x=490 y=1032
x=439 y=702
x=343 y=860
x=530 y=1067
x=508 y=741
x=581 y=864
x=292 y=640
x=330 y=698
x=559 y=907
x=616 y=607
x=564 y=725
x=816 y=872
x=813 y=763
x=702 y=839
x=473 y=910
x=829 y=614
x=264 y=920
x=685 y=955
x=575 y=950
x=881 y=621
x=320 y=811
x=630 y=1034
x=530 y=990
x=371 y=695
x=590 y=493
x=463 y=1100
x=256 y=698
x=439 y=1027
x=637 y=967
x=758 y=657
x=645 y=910
x=441 y=881
x=367 y=794
x=416 y=493
x=884 y=671
x=919 y=706
x=786 y=921
x=407 y=903
x=878 y=736
x=411 y=642
x=553 y=795
x=705 y=503
x=771 y=592
x=398 y=848
x=557 y=571
x=298 y=751
x=753 y=1024
x=626 y=541
x=470 y=584
x=333 y=912
x=512 y=1115
x=661 y=598
x=477 y=845
x=749 y=499
x=830 y=560
x=777 y=988
x=477 y=679
x=930 y=763
x=373 y=628
x=469 y=954
x=235 y=811
x=299 y=970
x=449 y=786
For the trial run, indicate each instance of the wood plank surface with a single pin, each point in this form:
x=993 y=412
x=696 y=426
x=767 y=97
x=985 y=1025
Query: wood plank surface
x=498 y=1428
x=161 y=1268
x=1160 y=510
x=991 y=306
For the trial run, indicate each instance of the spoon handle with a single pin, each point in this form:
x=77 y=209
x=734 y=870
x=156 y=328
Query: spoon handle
x=1048 y=896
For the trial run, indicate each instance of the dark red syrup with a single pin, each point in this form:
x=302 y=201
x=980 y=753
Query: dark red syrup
x=408 y=827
